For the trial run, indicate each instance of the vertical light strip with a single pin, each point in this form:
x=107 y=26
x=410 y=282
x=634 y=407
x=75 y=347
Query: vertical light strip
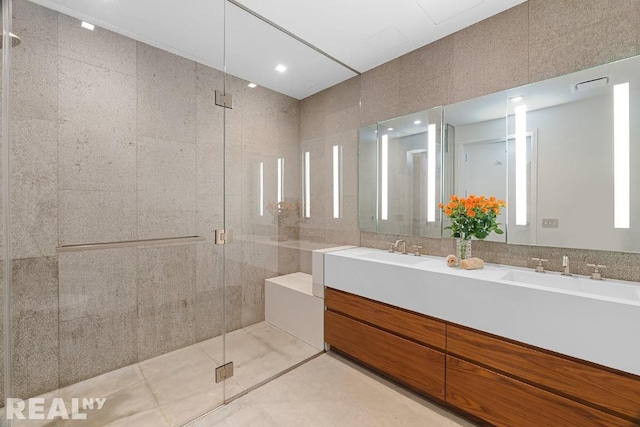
x=336 y=181
x=384 y=177
x=431 y=173
x=521 y=165
x=280 y=178
x=307 y=185
x=621 y=189
x=261 y=190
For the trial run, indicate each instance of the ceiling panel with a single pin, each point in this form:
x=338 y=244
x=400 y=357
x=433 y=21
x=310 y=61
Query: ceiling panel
x=360 y=33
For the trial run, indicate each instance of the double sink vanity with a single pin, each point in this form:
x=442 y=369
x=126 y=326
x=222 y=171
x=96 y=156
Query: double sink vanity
x=505 y=345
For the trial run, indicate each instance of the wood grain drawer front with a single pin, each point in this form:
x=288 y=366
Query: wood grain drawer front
x=413 y=364
x=617 y=392
x=408 y=324
x=506 y=402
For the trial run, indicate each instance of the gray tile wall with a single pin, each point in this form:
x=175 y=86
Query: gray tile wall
x=116 y=140
x=534 y=41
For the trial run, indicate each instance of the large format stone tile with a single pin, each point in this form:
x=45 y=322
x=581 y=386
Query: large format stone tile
x=426 y=94
x=183 y=382
x=97 y=283
x=380 y=93
x=34 y=188
x=104 y=385
x=124 y=408
x=96 y=344
x=312 y=116
x=491 y=55
x=210 y=146
x=596 y=44
x=166 y=95
x=209 y=292
x=208 y=80
x=166 y=188
x=329 y=391
x=98 y=47
x=97 y=216
x=35 y=326
x=96 y=154
x=166 y=283
x=427 y=63
x=343 y=95
x=35 y=62
x=34 y=22
x=551 y=18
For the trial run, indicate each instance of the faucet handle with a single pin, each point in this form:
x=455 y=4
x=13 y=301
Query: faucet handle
x=418 y=247
x=596 y=275
x=540 y=267
x=391 y=247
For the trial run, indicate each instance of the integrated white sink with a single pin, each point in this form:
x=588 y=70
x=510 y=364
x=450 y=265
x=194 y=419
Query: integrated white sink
x=588 y=319
x=397 y=258
x=581 y=284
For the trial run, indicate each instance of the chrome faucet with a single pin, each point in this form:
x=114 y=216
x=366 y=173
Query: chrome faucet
x=404 y=246
x=540 y=267
x=565 y=265
x=596 y=275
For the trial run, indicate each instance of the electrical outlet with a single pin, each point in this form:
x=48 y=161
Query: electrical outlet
x=550 y=223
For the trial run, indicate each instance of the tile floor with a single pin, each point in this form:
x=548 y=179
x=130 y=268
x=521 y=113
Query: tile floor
x=330 y=391
x=174 y=388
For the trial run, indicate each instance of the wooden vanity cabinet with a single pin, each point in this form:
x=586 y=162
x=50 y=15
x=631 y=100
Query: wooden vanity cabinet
x=399 y=343
x=501 y=381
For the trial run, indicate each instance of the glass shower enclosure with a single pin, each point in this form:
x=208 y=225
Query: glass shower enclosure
x=144 y=190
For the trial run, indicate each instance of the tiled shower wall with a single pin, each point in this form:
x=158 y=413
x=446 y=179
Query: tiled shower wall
x=536 y=40
x=116 y=140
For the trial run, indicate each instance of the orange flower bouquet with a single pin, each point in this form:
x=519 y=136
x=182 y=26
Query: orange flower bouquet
x=473 y=216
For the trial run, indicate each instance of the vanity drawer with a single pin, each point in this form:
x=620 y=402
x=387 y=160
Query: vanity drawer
x=417 y=366
x=616 y=392
x=506 y=402
x=402 y=322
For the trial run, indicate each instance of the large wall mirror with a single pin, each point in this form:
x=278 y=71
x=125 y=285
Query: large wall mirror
x=401 y=175
x=564 y=153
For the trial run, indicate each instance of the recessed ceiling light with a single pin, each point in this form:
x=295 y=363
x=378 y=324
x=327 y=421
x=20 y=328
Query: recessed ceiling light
x=417 y=122
x=517 y=98
x=389 y=129
x=87 y=25
x=280 y=68
x=252 y=85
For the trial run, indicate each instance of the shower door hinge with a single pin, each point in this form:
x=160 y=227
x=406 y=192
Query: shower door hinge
x=221 y=237
x=224 y=99
x=224 y=372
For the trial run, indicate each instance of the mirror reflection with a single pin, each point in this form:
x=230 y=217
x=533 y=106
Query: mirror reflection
x=561 y=152
x=400 y=175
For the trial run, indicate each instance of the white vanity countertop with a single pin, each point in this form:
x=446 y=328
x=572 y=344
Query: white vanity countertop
x=599 y=328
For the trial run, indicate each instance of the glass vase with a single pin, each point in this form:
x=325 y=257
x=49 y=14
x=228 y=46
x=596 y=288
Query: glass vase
x=463 y=248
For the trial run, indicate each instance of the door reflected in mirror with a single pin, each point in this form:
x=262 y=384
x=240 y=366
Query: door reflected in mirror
x=401 y=175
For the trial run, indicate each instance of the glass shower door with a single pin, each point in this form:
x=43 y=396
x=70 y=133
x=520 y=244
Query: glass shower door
x=116 y=289
x=267 y=72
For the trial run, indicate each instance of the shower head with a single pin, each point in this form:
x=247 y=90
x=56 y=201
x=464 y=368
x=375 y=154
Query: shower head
x=15 y=40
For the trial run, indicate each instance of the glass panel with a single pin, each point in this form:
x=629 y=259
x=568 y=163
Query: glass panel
x=410 y=174
x=117 y=286
x=476 y=130
x=273 y=189
x=368 y=179
x=582 y=128
x=5 y=265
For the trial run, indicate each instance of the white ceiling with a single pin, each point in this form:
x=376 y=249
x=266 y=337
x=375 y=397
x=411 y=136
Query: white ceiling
x=362 y=34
